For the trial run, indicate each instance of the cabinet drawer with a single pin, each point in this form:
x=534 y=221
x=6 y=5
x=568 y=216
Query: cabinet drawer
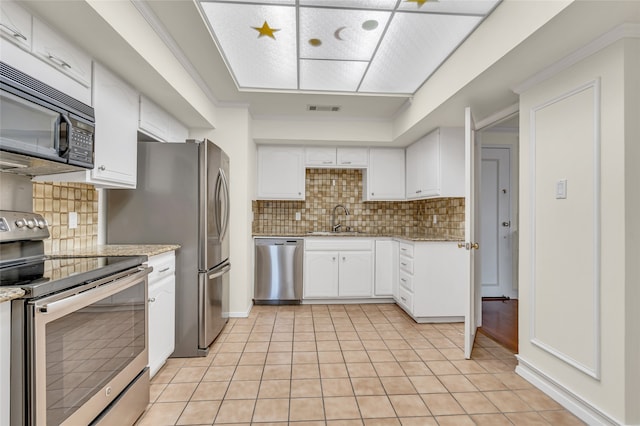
x=163 y=265
x=405 y=298
x=406 y=280
x=406 y=250
x=406 y=264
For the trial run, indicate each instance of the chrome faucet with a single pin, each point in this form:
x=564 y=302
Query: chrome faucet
x=334 y=227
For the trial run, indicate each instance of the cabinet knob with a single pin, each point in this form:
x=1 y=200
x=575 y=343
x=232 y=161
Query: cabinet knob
x=299 y=193
x=334 y=258
x=419 y=191
x=102 y=168
x=152 y=299
x=344 y=258
x=372 y=194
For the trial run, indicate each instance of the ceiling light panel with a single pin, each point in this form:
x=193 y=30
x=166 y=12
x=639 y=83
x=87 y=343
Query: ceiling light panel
x=341 y=76
x=413 y=47
x=340 y=34
x=352 y=4
x=280 y=2
x=472 y=7
x=258 y=42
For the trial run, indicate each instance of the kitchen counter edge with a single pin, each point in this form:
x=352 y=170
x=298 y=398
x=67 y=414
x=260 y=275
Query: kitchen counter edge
x=9 y=293
x=415 y=238
x=119 y=250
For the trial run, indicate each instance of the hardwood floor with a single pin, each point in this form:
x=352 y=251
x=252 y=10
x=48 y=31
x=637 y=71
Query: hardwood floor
x=500 y=322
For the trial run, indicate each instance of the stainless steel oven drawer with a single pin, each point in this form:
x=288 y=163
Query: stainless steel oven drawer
x=129 y=405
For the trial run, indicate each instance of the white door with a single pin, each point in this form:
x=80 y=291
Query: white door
x=495 y=222
x=473 y=303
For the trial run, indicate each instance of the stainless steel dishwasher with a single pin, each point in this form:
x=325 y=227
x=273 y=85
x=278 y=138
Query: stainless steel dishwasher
x=278 y=274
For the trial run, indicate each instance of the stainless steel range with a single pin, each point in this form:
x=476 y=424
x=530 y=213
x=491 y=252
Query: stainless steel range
x=78 y=336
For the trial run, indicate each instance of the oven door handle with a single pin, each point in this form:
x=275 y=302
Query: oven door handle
x=56 y=307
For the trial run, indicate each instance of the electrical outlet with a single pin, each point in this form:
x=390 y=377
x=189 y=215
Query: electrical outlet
x=73 y=220
x=435 y=219
x=298 y=216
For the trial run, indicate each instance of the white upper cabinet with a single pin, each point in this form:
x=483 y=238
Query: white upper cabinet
x=116 y=107
x=385 y=176
x=32 y=47
x=352 y=157
x=116 y=142
x=159 y=124
x=60 y=54
x=15 y=24
x=435 y=165
x=281 y=173
x=332 y=157
x=320 y=157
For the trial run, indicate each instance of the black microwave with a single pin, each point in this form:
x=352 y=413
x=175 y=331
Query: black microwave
x=39 y=122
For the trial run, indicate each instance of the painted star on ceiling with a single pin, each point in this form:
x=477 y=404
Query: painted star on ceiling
x=266 y=30
x=419 y=2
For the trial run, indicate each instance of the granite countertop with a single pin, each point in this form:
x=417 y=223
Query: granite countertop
x=9 y=293
x=359 y=235
x=119 y=250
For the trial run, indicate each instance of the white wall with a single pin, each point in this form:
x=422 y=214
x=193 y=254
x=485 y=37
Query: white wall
x=233 y=135
x=573 y=253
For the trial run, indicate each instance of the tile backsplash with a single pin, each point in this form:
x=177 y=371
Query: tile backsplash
x=54 y=201
x=326 y=188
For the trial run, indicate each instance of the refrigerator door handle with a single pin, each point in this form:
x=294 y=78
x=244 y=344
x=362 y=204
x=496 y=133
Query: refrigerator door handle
x=218 y=220
x=225 y=187
x=221 y=272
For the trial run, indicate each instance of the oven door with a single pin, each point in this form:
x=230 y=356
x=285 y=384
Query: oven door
x=87 y=347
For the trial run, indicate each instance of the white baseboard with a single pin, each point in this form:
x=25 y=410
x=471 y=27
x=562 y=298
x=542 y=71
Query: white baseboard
x=579 y=407
x=240 y=314
x=346 y=301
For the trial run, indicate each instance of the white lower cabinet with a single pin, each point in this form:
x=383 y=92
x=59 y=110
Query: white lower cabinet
x=386 y=275
x=431 y=281
x=338 y=268
x=162 y=297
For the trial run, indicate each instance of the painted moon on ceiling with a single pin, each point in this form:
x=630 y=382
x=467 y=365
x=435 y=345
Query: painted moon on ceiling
x=337 y=33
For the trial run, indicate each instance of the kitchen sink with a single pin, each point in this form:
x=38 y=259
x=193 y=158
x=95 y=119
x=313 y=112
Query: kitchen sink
x=335 y=234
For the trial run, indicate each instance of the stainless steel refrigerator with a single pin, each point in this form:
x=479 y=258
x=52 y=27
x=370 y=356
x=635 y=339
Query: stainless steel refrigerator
x=182 y=197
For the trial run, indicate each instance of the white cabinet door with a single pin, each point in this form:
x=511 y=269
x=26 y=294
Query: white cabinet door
x=430 y=184
x=386 y=269
x=161 y=323
x=60 y=54
x=385 y=176
x=116 y=146
x=320 y=156
x=356 y=274
x=415 y=169
x=281 y=173
x=321 y=274
x=435 y=165
x=352 y=157
x=159 y=124
x=5 y=364
x=15 y=24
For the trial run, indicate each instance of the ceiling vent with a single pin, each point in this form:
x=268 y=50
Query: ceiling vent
x=323 y=108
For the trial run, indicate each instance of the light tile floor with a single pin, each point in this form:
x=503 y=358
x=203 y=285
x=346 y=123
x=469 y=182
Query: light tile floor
x=346 y=365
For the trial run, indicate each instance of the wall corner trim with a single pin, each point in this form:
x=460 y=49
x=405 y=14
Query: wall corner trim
x=575 y=404
x=627 y=30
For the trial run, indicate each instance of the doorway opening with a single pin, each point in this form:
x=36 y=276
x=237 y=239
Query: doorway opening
x=498 y=230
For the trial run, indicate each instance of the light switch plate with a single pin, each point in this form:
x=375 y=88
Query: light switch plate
x=73 y=220
x=561 y=189
x=297 y=215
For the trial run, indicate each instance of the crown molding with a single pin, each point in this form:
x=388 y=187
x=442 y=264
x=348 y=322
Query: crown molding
x=169 y=41
x=627 y=30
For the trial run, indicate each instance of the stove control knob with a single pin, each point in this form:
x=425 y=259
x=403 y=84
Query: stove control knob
x=20 y=223
x=31 y=223
x=42 y=223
